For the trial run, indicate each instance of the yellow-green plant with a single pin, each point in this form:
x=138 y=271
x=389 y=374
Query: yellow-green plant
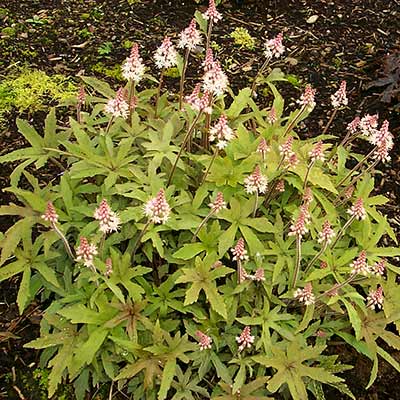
x=33 y=90
x=241 y=37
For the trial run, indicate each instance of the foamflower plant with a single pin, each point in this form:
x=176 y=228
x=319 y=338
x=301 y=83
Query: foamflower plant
x=195 y=245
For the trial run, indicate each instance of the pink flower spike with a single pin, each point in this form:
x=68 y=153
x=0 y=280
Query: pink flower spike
x=243 y=275
x=109 y=268
x=157 y=209
x=298 y=228
x=285 y=149
x=133 y=68
x=221 y=132
x=358 y=210
x=194 y=96
x=209 y=60
x=86 y=252
x=383 y=140
x=334 y=291
x=272 y=118
x=323 y=265
x=327 y=233
x=263 y=148
x=81 y=98
x=274 y=47
x=349 y=192
x=307 y=197
x=352 y=127
x=339 y=98
x=292 y=161
x=133 y=103
x=50 y=215
x=215 y=80
x=317 y=153
x=256 y=182
x=360 y=266
x=239 y=252
x=245 y=339
x=280 y=186
x=379 y=268
x=212 y=13
x=108 y=219
x=259 y=275
x=190 y=37
x=375 y=298
x=200 y=104
x=368 y=125
x=307 y=98
x=305 y=295
x=218 y=204
x=166 y=56
x=205 y=341
x=118 y=107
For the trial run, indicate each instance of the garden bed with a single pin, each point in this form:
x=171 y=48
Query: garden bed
x=327 y=42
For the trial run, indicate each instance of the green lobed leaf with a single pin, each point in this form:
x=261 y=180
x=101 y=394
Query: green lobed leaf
x=23 y=292
x=189 y=251
x=13 y=236
x=12 y=269
x=85 y=353
x=353 y=317
x=100 y=86
x=166 y=380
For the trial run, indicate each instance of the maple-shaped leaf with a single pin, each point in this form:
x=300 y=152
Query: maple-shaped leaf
x=291 y=369
x=247 y=391
x=202 y=277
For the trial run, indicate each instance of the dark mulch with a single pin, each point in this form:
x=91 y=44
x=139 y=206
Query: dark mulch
x=348 y=40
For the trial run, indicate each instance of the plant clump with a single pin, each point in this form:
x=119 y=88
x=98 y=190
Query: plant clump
x=195 y=245
x=33 y=90
x=241 y=37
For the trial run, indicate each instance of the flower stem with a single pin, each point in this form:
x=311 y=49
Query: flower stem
x=339 y=286
x=239 y=271
x=342 y=231
x=307 y=173
x=297 y=261
x=78 y=113
x=144 y=230
x=208 y=216
x=209 y=31
x=64 y=240
x=333 y=115
x=316 y=257
x=356 y=178
x=294 y=122
x=101 y=246
x=209 y=166
x=204 y=137
x=185 y=139
x=273 y=184
x=259 y=73
x=356 y=167
x=255 y=204
x=337 y=201
x=347 y=140
x=160 y=83
x=182 y=81
x=130 y=97
x=109 y=124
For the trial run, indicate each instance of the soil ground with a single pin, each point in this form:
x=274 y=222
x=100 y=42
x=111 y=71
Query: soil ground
x=348 y=40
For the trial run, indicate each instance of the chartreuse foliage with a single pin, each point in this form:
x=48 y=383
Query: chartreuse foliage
x=137 y=324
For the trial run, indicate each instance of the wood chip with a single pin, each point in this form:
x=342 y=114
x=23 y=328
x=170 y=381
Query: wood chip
x=312 y=19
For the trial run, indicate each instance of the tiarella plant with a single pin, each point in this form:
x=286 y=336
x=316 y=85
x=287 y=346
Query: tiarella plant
x=196 y=246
